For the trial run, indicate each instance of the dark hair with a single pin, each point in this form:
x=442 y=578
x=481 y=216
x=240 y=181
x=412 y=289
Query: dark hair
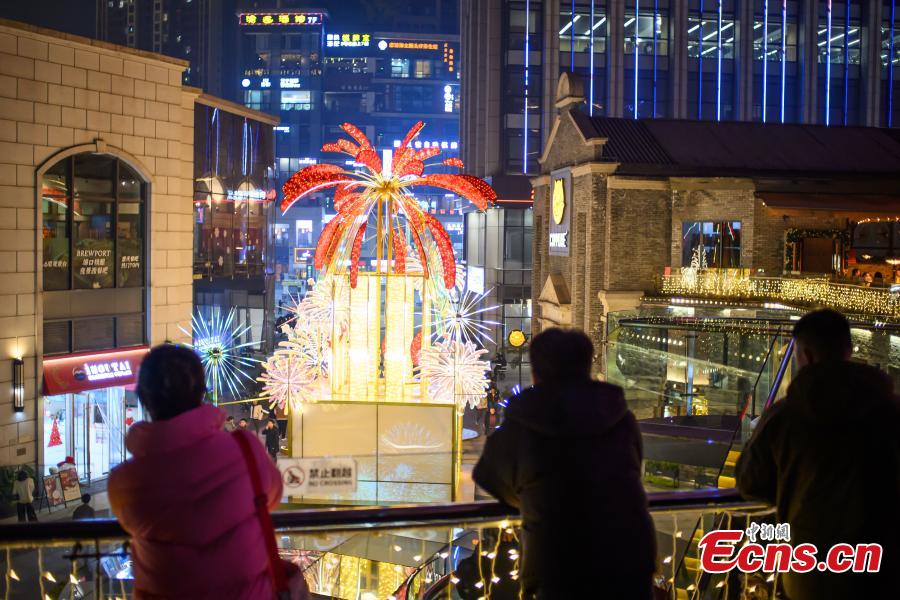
x=561 y=354
x=85 y=498
x=170 y=381
x=230 y=418
x=22 y=475
x=825 y=334
x=243 y=421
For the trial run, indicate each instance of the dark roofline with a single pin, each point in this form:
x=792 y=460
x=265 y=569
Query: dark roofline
x=672 y=147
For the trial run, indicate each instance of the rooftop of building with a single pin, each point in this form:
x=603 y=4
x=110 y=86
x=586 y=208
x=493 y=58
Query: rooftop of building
x=52 y=33
x=708 y=148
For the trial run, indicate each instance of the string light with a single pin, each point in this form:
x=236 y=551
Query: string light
x=813 y=291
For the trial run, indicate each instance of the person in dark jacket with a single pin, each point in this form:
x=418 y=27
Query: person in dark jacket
x=828 y=457
x=568 y=456
x=273 y=439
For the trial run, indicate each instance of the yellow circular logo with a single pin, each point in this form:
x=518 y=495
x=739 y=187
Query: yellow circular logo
x=516 y=338
x=559 y=201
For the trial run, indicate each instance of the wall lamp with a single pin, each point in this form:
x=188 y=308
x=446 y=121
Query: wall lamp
x=18 y=385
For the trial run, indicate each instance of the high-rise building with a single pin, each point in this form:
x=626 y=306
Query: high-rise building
x=189 y=29
x=317 y=74
x=776 y=61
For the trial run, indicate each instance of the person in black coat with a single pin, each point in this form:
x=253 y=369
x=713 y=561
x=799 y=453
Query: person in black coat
x=273 y=439
x=568 y=456
x=828 y=457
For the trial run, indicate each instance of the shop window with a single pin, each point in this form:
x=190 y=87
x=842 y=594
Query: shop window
x=93 y=224
x=876 y=241
x=296 y=100
x=400 y=67
x=55 y=210
x=719 y=244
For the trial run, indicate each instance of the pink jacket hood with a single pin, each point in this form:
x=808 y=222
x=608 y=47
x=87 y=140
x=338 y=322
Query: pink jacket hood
x=186 y=499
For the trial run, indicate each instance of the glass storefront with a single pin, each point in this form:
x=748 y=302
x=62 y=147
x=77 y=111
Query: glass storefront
x=89 y=426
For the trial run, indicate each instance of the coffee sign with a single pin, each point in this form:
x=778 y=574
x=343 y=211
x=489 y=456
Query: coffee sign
x=560 y=211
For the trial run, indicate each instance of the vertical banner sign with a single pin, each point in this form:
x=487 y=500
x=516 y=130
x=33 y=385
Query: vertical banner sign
x=560 y=212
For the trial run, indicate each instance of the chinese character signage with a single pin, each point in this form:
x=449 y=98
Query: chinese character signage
x=347 y=40
x=412 y=45
x=93 y=264
x=302 y=476
x=269 y=19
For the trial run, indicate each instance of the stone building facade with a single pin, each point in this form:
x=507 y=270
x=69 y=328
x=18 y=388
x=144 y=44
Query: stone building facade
x=96 y=179
x=616 y=199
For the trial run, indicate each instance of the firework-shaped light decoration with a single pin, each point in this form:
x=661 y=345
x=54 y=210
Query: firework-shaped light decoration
x=359 y=194
x=455 y=372
x=286 y=379
x=218 y=343
x=459 y=317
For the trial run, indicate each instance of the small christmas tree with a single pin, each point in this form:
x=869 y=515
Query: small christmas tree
x=54 y=435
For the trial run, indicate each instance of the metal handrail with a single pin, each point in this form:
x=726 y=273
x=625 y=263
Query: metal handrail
x=351 y=519
x=779 y=376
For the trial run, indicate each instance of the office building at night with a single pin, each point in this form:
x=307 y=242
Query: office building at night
x=192 y=31
x=826 y=63
x=316 y=75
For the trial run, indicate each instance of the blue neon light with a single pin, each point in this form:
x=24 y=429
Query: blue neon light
x=719 y=65
x=890 y=102
x=527 y=57
x=636 y=69
x=700 y=64
x=591 y=84
x=765 y=64
x=655 y=40
x=783 y=53
x=828 y=65
x=572 y=40
x=846 y=60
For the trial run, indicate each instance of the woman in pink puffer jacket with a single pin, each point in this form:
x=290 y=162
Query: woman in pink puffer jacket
x=185 y=496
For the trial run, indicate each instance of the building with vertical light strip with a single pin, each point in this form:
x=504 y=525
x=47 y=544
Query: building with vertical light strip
x=825 y=62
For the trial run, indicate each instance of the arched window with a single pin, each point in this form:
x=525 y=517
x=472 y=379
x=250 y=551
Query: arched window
x=93 y=224
x=94 y=229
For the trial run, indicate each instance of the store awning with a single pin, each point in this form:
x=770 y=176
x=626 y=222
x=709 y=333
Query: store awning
x=858 y=203
x=92 y=371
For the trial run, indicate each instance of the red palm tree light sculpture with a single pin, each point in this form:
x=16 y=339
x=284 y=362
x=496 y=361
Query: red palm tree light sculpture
x=387 y=193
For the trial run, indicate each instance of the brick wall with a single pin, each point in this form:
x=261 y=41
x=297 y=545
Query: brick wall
x=58 y=94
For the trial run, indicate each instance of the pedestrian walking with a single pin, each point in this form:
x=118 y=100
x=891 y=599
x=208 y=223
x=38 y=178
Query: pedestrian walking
x=568 y=456
x=194 y=499
x=273 y=439
x=828 y=457
x=23 y=490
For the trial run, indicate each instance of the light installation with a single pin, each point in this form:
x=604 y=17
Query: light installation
x=355 y=334
x=218 y=343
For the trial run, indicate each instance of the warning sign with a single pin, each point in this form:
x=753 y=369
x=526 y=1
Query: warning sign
x=302 y=476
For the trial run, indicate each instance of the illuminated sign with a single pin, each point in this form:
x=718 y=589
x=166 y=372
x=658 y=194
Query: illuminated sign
x=282 y=128
x=412 y=45
x=559 y=195
x=449 y=57
x=448 y=99
x=245 y=82
x=559 y=201
x=443 y=144
x=106 y=370
x=347 y=40
x=267 y=19
x=80 y=373
x=382 y=45
x=289 y=82
x=265 y=82
x=475 y=279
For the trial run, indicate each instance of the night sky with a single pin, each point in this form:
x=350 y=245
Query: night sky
x=71 y=16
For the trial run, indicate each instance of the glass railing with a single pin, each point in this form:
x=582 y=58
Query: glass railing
x=694 y=385
x=432 y=552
